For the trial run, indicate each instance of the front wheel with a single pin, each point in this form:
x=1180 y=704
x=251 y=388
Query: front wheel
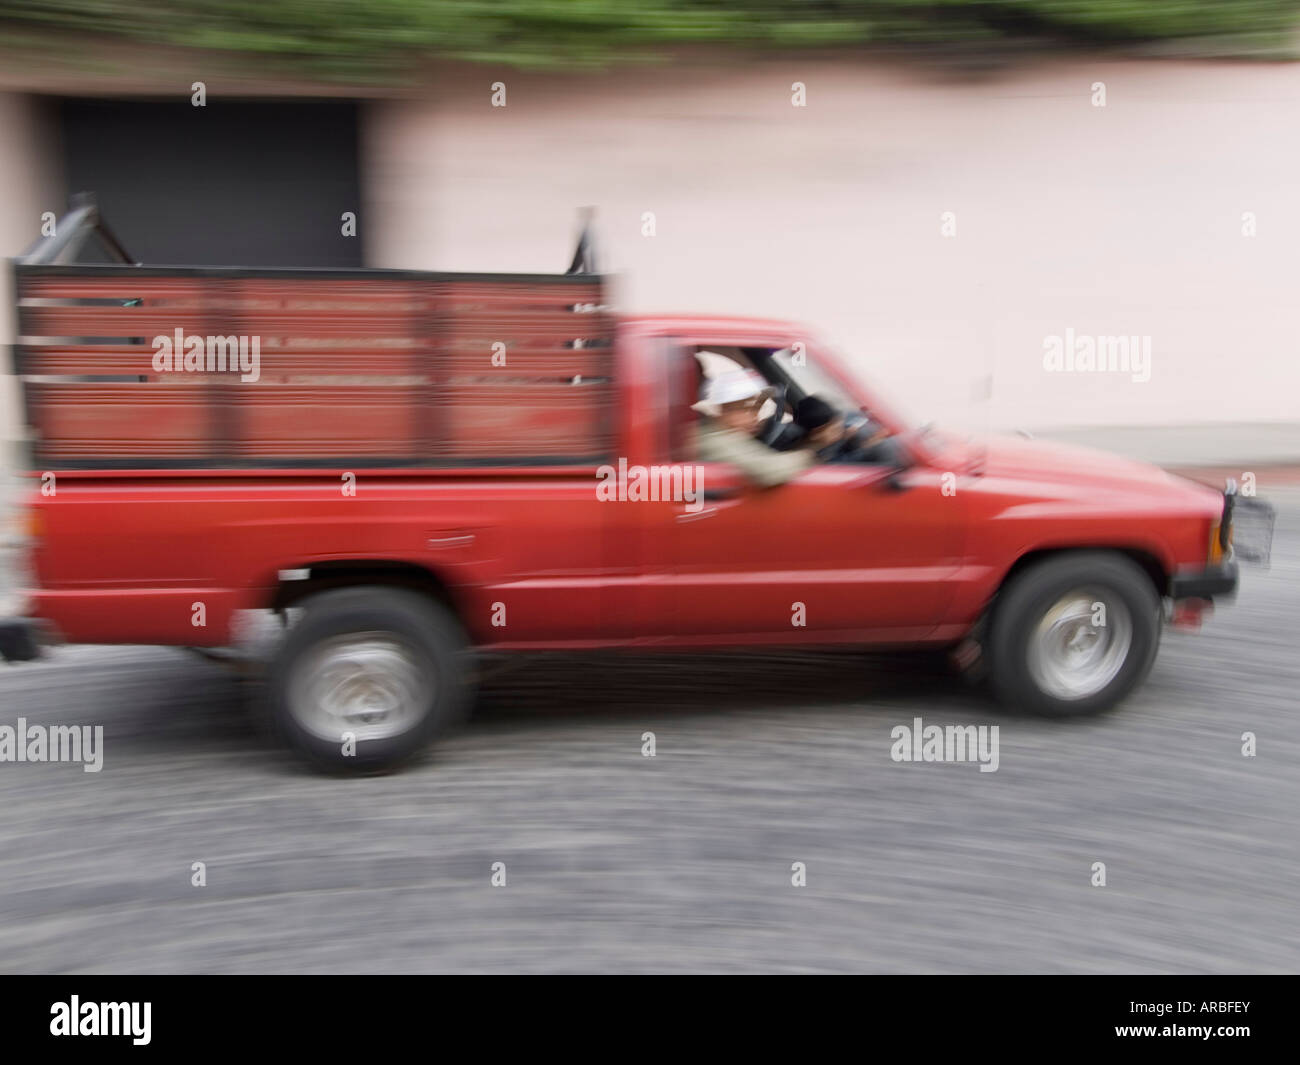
x=1073 y=634
x=367 y=677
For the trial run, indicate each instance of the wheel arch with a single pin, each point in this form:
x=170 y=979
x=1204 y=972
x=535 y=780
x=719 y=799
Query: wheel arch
x=325 y=576
x=1147 y=560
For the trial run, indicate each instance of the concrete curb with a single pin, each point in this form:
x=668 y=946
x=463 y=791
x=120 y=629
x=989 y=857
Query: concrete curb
x=1204 y=446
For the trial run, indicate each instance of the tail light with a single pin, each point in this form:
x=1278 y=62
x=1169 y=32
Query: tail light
x=18 y=541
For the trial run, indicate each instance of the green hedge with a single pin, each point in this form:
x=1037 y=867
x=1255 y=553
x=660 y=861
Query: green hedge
x=387 y=39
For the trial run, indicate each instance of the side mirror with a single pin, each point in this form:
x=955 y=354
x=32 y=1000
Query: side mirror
x=882 y=477
x=897 y=464
x=894 y=478
x=903 y=460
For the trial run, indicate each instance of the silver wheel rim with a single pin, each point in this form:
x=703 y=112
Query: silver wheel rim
x=368 y=684
x=1073 y=656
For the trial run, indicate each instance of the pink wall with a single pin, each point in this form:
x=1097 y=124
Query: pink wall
x=1116 y=220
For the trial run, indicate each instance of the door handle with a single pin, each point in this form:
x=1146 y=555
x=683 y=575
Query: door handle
x=712 y=495
x=696 y=515
x=439 y=543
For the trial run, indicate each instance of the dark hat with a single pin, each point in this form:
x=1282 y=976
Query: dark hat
x=812 y=413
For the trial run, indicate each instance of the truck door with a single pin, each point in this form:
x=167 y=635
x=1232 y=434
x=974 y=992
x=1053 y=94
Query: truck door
x=841 y=552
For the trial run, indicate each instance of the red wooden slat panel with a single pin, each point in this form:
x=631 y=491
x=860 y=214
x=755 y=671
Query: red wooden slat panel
x=362 y=295
x=465 y=295
x=383 y=368
x=54 y=359
x=157 y=421
x=332 y=294
x=351 y=360
x=108 y=321
x=526 y=428
x=309 y=422
x=147 y=321
x=278 y=365
x=178 y=289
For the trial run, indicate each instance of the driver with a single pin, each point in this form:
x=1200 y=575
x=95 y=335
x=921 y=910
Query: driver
x=823 y=426
x=730 y=403
x=827 y=433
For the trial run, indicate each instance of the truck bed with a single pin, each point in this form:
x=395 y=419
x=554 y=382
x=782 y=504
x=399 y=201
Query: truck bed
x=370 y=368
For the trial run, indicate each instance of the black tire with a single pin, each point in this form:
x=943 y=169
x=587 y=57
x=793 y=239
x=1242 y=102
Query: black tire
x=416 y=634
x=1027 y=599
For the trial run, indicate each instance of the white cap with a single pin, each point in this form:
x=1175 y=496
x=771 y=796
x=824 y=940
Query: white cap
x=731 y=386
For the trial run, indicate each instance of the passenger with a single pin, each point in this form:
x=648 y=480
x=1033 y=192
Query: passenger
x=730 y=403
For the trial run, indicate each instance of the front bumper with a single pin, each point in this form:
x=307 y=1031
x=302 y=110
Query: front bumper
x=1208 y=583
x=21 y=639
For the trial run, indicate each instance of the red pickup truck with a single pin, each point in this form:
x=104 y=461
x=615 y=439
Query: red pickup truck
x=407 y=468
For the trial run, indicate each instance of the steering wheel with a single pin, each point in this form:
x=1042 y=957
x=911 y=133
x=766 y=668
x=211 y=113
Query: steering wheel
x=771 y=427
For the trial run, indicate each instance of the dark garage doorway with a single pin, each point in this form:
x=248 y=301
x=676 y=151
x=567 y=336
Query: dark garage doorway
x=235 y=183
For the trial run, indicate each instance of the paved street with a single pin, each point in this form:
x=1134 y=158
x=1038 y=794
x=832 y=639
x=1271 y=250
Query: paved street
x=683 y=861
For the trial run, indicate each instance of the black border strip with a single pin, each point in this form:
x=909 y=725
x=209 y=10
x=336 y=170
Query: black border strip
x=291 y=273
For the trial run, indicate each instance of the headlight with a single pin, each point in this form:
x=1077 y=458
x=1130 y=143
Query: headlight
x=1221 y=530
x=1218 y=548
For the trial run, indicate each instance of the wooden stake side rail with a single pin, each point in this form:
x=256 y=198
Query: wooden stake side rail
x=173 y=369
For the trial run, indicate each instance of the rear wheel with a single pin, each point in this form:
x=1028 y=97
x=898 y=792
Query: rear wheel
x=368 y=677
x=1073 y=634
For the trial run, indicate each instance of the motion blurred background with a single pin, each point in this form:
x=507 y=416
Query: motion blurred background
x=1103 y=166
x=965 y=179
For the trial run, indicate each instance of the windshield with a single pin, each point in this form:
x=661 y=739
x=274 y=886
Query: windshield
x=809 y=379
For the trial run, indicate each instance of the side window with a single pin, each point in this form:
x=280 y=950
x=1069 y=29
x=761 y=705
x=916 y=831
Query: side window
x=694 y=364
x=713 y=362
x=867 y=441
